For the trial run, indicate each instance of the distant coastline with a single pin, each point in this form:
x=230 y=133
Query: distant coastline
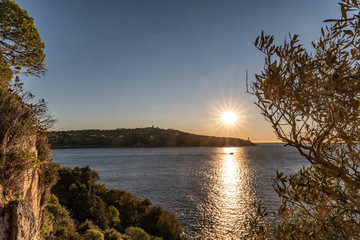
x=139 y=137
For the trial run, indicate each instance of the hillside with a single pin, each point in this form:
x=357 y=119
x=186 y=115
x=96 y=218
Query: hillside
x=140 y=137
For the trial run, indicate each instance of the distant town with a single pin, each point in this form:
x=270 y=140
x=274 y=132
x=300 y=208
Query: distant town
x=139 y=137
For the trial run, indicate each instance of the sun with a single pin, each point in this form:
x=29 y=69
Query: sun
x=229 y=117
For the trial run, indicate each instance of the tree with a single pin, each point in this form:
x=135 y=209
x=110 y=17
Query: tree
x=312 y=102
x=21 y=50
x=93 y=234
x=20 y=43
x=137 y=233
x=23 y=144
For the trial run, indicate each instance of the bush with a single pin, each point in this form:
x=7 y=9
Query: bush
x=88 y=224
x=98 y=208
x=155 y=238
x=136 y=233
x=63 y=226
x=108 y=208
x=168 y=226
x=92 y=234
x=112 y=234
x=113 y=216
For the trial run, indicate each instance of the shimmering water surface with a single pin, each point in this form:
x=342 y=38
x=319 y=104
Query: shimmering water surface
x=210 y=190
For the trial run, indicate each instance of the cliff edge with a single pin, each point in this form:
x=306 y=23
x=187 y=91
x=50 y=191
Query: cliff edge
x=20 y=198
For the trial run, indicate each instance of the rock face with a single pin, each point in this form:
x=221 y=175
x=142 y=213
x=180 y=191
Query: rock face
x=21 y=211
x=23 y=223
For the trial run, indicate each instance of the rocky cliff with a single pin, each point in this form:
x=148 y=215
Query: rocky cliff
x=20 y=201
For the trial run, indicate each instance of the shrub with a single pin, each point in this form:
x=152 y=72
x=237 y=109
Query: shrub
x=92 y=234
x=63 y=226
x=136 y=233
x=112 y=234
x=155 y=238
x=113 y=216
x=88 y=224
x=107 y=208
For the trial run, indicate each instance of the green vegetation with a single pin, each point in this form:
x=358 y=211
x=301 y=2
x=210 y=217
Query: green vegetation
x=22 y=124
x=20 y=43
x=312 y=102
x=61 y=225
x=140 y=137
x=79 y=208
x=92 y=234
x=24 y=147
x=101 y=213
x=137 y=233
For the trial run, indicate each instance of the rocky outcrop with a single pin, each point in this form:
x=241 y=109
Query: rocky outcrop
x=4 y=217
x=20 y=205
x=23 y=223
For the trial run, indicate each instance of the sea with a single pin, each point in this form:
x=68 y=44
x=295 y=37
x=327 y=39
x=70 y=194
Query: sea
x=211 y=190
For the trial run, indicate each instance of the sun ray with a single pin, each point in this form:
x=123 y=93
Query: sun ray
x=222 y=104
x=229 y=117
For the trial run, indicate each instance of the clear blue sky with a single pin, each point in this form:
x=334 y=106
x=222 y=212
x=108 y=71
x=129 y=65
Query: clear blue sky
x=171 y=64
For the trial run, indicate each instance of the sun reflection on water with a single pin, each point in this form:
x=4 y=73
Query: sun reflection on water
x=229 y=170
x=230 y=194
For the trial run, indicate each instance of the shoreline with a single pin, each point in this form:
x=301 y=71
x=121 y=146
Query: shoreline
x=100 y=146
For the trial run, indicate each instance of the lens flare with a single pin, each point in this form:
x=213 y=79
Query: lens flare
x=229 y=117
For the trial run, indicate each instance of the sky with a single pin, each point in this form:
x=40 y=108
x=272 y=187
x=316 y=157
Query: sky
x=164 y=63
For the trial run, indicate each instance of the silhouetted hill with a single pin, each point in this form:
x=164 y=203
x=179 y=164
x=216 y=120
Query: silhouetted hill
x=140 y=137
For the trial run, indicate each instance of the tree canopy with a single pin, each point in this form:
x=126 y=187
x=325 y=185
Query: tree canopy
x=107 y=209
x=21 y=51
x=311 y=99
x=21 y=48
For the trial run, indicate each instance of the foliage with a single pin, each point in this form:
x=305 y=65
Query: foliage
x=5 y=71
x=23 y=125
x=58 y=224
x=21 y=135
x=312 y=102
x=138 y=137
x=63 y=226
x=166 y=226
x=23 y=144
x=86 y=225
x=113 y=216
x=17 y=125
x=76 y=189
x=21 y=50
x=112 y=234
x=47 y=225
x=136 y=233
x=93 y=234
x=48 y=171
x=20 y=43
x=155 y=238
x=111 y=208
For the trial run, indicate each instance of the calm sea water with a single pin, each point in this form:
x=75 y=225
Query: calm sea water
x=209 y=189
